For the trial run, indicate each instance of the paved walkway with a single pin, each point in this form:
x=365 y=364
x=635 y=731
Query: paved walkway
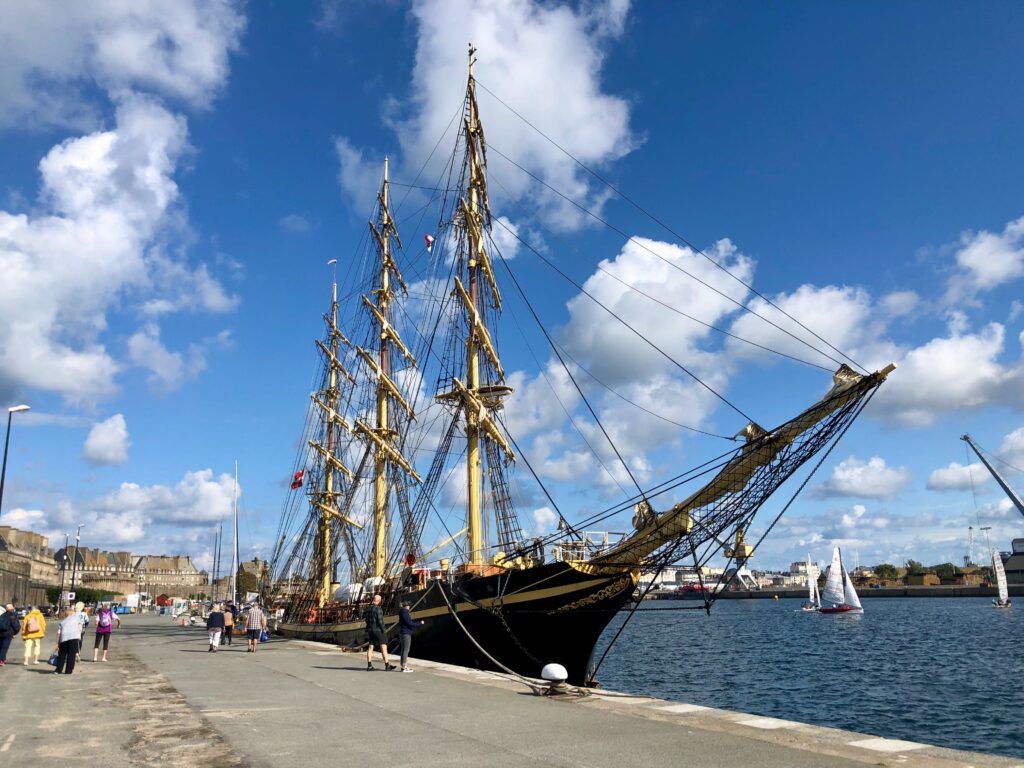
x=163 y=700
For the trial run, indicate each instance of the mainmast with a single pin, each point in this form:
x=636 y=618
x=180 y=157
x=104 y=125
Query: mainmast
x=382 y=436
x=478 y=399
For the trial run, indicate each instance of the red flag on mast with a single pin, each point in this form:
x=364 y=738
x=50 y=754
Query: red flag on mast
x=430 y=242
x=297 y=480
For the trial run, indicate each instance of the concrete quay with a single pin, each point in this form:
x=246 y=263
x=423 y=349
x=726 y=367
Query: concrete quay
x=164 y=700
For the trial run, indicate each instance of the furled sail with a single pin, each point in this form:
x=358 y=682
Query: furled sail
x=766 y=461
x=812 y=584
x=834 y=591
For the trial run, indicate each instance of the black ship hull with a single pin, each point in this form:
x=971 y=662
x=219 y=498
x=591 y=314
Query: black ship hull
x=524 y=619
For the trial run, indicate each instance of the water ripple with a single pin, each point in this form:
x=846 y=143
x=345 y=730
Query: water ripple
x=942 y=671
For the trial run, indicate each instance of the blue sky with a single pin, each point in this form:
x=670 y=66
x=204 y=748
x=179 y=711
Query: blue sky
x=172 y=184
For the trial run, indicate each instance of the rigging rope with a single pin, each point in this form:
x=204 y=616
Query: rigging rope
x=639 y=335
x=675 y=234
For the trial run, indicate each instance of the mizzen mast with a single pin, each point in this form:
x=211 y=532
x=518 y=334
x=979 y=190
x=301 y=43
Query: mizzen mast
x=381 y=437
x=477 y=398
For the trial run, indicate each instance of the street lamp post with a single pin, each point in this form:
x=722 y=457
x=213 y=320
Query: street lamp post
x=7 y=441
x=63 y=570
x=74 y=560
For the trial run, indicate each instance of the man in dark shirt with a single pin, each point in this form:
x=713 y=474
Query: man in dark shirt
x=9 y=627
x=405 y=627
x=376 y=635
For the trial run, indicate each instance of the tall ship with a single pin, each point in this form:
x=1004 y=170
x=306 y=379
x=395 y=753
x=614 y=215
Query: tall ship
x=403 y=484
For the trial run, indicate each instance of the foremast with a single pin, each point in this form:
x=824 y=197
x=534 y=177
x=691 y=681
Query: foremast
x=478 y=399
x=381 y=438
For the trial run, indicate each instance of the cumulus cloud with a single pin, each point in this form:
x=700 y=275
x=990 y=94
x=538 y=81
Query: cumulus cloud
x=105 y=234
x=108 y=441
x=133 y=513
x=871 y=479
x=54 y=52
x=957 y=477
x=544 y=521
x=986 y=260
x=520 y=43
x=960 y=371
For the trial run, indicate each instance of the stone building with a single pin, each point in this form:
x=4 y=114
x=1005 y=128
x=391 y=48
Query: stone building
x=173 y=575
x=26 y=566
x=111 y=572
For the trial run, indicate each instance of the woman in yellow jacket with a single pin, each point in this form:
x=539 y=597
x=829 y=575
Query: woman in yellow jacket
x=33 y=630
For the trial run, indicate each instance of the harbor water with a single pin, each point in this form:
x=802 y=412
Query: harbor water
x=947 y=672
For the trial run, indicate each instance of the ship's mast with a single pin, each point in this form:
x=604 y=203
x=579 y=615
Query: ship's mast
x=477 y=399
x=381 y=437
x=327 y=401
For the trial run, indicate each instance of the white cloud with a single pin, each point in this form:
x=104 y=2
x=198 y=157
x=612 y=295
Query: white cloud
x=108 y=441
x=53 y=52
x=1011 y=449
x=871 y=479
x=170 y=370
x=520 y=44
x=956 y=372
x=544 y=521
x=958 y=477
x=175 y=515
x=843 y=316
x=358 y=177
x=110 y=196
x=296 y=223
x=23 y=519
x=986 y=260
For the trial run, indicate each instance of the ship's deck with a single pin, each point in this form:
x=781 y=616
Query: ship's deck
x=164 y=700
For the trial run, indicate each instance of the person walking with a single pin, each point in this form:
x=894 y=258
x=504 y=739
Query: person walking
x=9 y=627
x=255 y=623
x=105 y=619
x=215 y=625
x=405 y=627
x=69 y=637
x=376 y=635
x=83 y=619
x=33 y=630
x=229 y=623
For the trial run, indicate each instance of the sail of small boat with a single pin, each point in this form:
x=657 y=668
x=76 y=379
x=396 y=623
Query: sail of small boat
x=839 y=595
x=1003 y=599
x=410 y=396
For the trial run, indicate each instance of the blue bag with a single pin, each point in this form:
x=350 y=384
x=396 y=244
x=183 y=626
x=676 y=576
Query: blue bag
x=264 y=636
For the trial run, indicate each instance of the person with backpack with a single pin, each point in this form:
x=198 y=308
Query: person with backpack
x=9 y=627
x=33 y=630
x=105 y=618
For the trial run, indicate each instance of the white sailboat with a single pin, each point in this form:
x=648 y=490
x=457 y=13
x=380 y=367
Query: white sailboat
x=1003 y=601
x=839 y=595
x=813 y=601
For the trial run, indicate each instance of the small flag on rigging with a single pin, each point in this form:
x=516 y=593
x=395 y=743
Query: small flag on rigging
x=430 y=242
x=297 y=480
x=332 y=261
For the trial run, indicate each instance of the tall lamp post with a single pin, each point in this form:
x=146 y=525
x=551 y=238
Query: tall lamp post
x=63 y=570
x=74 y=560
x=7 y=441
